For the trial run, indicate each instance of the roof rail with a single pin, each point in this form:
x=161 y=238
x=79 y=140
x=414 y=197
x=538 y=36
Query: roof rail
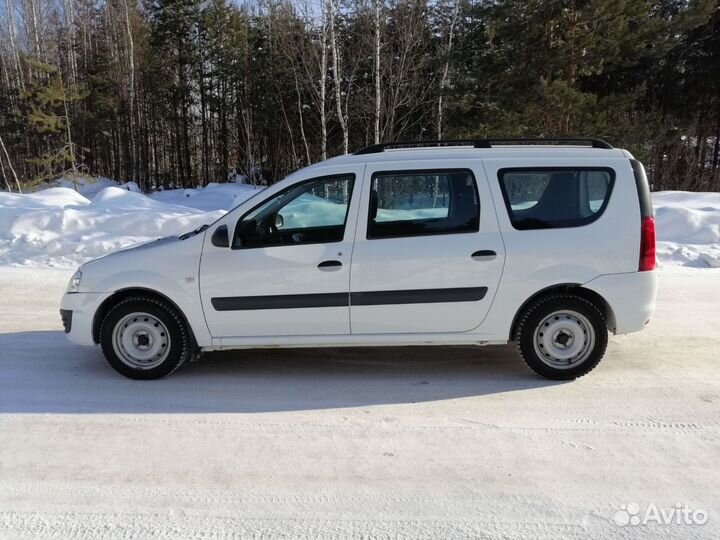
x=486 y=143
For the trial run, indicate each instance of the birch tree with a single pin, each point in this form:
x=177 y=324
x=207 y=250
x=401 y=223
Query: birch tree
x=181 y=92
x=131 y=86
x=10 y=14
x=337 y=76
x=446 y=66
x=378 y=95
x=10 y=166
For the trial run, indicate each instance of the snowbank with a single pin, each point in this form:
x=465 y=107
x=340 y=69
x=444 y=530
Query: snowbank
x=212 y=197
x=688 y=228
x=88 y=186
x=61 y=227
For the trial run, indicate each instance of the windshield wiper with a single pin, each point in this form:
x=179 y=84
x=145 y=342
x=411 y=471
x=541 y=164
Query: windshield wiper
x=193 y=233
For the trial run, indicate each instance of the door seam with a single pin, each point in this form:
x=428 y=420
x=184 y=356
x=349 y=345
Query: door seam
x=354 y=239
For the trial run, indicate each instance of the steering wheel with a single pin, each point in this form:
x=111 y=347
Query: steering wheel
x=267 y=232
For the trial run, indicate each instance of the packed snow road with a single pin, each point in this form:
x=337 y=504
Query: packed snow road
x=370 y=443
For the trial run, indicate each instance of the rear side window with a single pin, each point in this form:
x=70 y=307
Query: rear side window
x=549 y=198
x=415 y=203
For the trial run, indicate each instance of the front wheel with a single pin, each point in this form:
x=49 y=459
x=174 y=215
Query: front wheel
x=562 y=337
x=144 y=338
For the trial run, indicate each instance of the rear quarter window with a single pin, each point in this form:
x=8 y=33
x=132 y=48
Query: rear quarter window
x=555 y=197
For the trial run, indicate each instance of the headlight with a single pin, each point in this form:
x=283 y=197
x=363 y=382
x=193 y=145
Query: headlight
x=74 y=285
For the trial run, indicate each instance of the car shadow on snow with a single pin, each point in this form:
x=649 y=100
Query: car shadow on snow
x=41 y=372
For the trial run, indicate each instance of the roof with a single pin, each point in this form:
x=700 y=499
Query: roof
x=470 y=153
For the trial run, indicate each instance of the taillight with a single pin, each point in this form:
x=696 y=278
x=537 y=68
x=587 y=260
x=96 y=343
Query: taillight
x=647 y=244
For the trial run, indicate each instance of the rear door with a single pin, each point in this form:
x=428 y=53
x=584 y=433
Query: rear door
x=428 y=255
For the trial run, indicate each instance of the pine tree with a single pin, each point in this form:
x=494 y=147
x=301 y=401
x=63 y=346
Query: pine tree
x=174 y=28
x=45 y=107
x=173 y=93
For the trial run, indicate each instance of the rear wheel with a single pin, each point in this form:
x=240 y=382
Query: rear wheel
x=144 y=338
x=562 y=336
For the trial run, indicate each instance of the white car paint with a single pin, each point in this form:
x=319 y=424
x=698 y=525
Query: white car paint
x=426 y=262
x=602 y=256
x=279 y=270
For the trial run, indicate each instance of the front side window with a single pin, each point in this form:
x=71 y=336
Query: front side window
x=311 y=212
x=548 y=198
x=414 y=203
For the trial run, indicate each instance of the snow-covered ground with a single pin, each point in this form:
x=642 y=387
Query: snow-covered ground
x=385 y=443
x=63 y=228
x=436 y=443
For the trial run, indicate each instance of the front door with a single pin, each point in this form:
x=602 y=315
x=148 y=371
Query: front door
x=428 y=254
x=287 y=271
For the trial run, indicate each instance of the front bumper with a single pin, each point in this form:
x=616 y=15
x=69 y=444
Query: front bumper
x=77 y=311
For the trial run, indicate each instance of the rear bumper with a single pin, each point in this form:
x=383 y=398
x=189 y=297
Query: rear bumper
x=631 y=298
x=77 y=311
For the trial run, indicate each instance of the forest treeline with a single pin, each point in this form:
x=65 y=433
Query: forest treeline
x=184 y=92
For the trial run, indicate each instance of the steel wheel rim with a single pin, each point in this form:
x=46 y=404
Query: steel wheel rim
x=564 y=339
x=141 y=341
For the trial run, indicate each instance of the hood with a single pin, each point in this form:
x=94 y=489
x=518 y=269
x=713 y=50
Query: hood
x=152 y=244
x=148 y=245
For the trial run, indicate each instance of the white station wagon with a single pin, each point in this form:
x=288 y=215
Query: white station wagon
x=546 y=243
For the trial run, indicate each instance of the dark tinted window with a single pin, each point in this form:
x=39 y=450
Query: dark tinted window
x=412 y=203
x=311 y=212
x=543 y=198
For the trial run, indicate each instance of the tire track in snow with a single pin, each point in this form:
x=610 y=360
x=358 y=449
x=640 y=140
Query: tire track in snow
x=629 y=426
x=79 y=525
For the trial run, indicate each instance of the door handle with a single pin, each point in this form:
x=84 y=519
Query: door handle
x=329 y=265
x=484 y=255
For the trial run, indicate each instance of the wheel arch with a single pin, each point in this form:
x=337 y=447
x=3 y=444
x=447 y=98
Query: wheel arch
x=568 y=288
x=122 y=294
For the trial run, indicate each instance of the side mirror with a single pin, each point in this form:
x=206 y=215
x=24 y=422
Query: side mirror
x=279 y=221
x=220 y=237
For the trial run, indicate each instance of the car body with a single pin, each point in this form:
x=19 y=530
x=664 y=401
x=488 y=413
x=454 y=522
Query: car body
x=431 y=245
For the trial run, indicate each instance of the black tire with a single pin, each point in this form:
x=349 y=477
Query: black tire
x=537 y=313
x=176 y=339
